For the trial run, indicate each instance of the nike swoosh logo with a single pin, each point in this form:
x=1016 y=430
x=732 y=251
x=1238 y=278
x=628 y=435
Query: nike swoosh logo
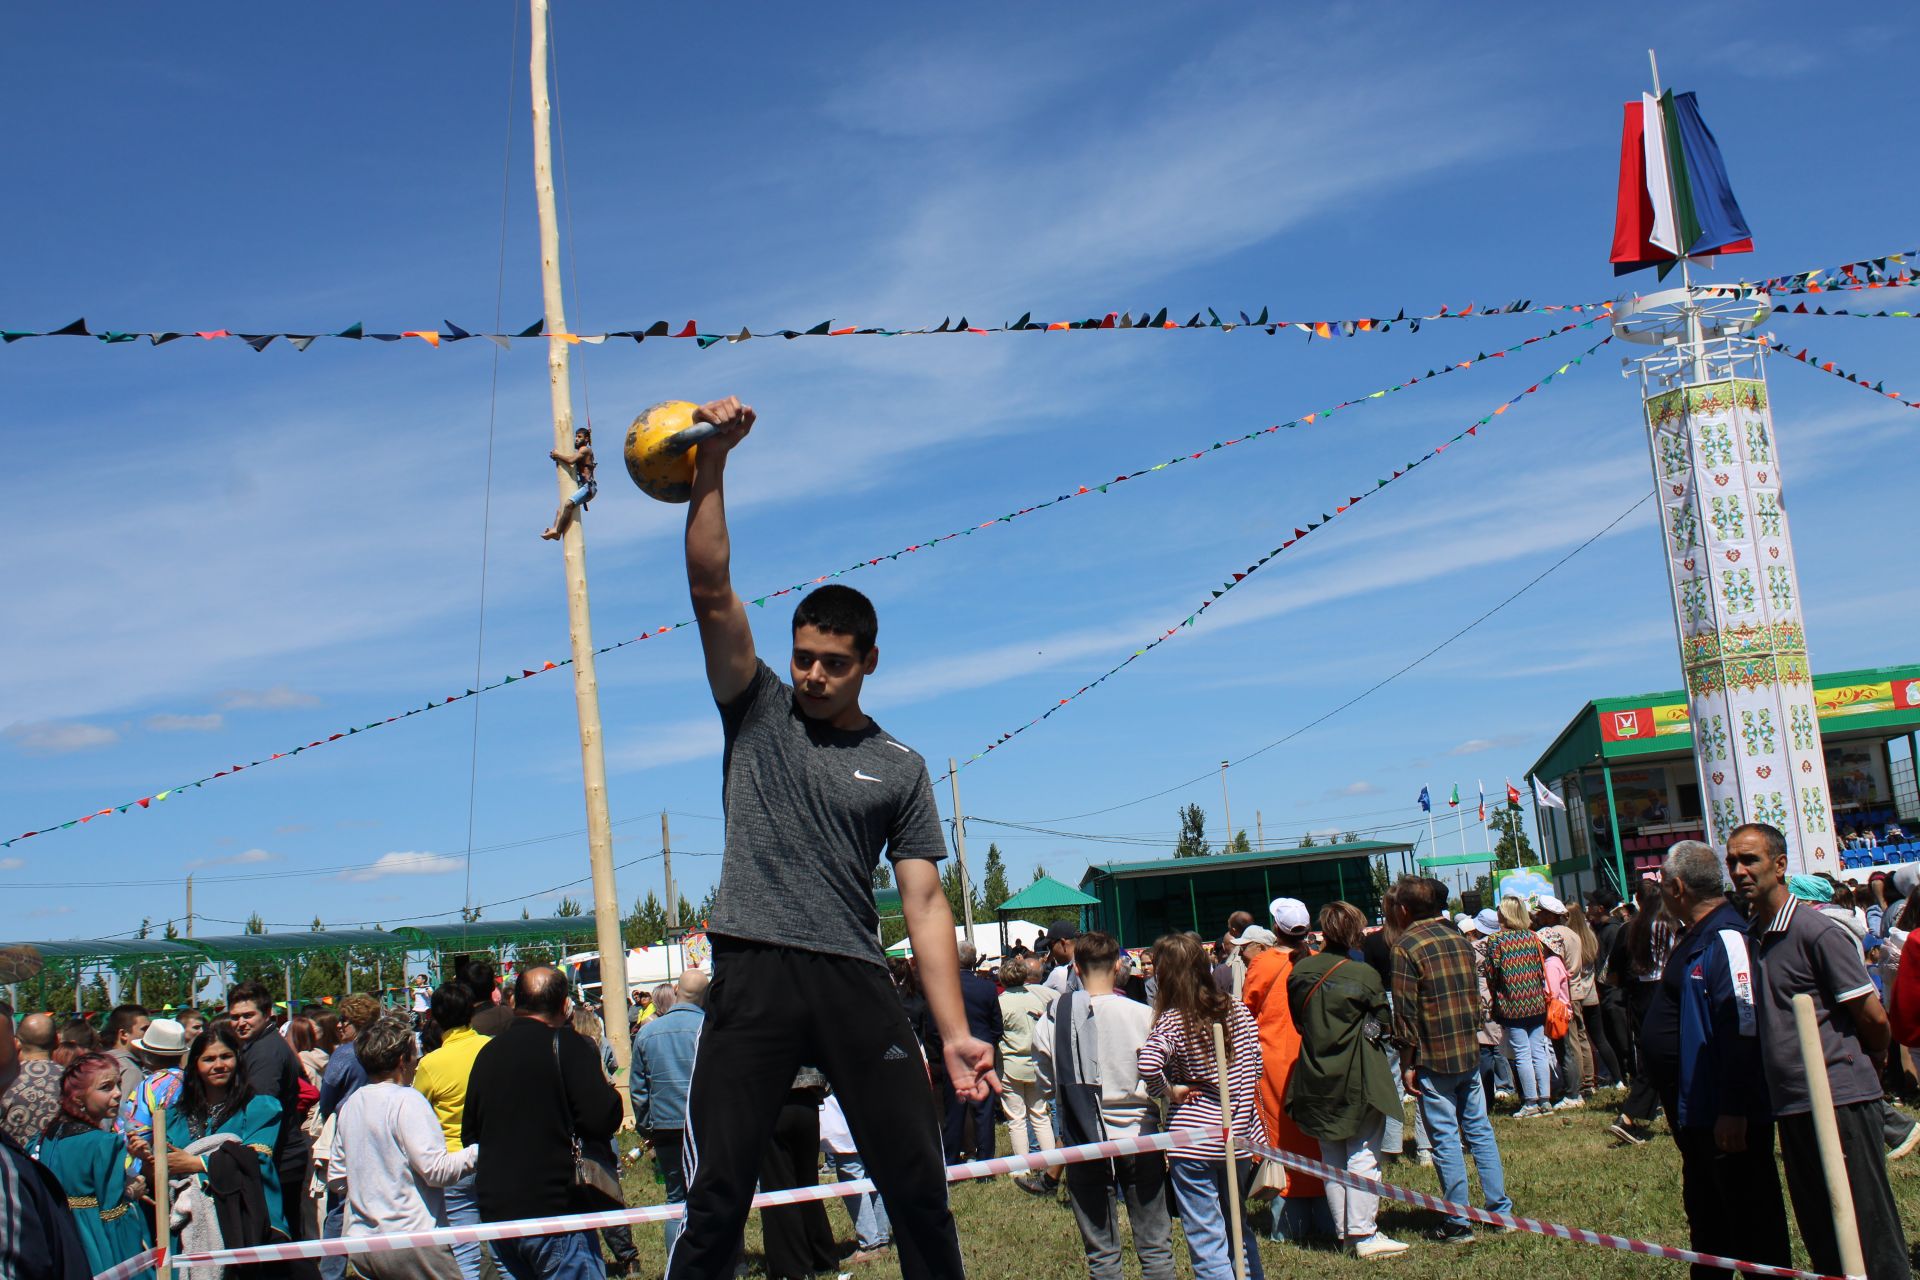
x=864 y=777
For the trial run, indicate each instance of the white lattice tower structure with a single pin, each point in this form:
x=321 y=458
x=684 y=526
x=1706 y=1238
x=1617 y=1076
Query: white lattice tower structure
x=1736 y=594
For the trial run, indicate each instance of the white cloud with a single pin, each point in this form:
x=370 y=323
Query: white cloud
x=185 y=724
x=43 y=912
x=1361 y=788
x=246 y=858
x=666 y=744
x=53 y=737
x=12 y=864
x=1506 y=741
x=406 y=864
x=277 y=697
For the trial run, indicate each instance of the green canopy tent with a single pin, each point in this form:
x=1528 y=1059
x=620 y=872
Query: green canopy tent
x=1048 y=895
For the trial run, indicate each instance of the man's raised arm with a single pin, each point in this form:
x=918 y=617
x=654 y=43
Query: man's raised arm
x=724 y=634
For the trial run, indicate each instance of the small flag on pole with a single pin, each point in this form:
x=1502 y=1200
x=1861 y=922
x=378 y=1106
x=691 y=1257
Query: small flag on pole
x=1453 y=801
x=1426 y=801
x=1546 y=797
x=1513 y=794
x=1483 y=802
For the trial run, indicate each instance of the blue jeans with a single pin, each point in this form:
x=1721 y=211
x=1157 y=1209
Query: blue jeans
x=1455 y=1109
x=1200 y=1189
x=1532 y=1057
x=572 y=1256
x=871 y=1229
x=334 y=1267
x=462 y=1208
x=1495 y=1071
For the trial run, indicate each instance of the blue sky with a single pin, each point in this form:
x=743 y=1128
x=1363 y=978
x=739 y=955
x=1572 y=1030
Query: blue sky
x=213 y=554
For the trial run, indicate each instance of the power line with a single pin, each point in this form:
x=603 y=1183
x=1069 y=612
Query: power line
x=308 y=872
x=1372 y=689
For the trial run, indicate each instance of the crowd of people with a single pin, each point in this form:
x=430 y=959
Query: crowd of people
x=486 y=1105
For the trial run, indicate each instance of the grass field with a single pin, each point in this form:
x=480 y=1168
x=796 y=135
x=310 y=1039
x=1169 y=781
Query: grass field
x=1564 y=1169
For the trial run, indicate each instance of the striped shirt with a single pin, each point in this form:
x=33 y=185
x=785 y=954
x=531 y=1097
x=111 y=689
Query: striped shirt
x=1170 y=1057
x=1517 y=976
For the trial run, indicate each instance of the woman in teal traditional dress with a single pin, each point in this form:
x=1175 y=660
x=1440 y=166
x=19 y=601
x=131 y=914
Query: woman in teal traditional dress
x=90 y=1159
x=216 y=1098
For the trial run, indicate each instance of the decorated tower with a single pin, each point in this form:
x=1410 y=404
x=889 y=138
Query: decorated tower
x=1716 y=462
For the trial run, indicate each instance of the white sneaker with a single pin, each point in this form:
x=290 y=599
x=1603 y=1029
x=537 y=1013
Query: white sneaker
x=1503 y=1095
x=1377 y=1246
x=1424 y=1159
x=1569 y=1104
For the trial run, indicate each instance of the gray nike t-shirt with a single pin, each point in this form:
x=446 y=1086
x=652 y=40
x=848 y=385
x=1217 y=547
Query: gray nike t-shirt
x=809 y=808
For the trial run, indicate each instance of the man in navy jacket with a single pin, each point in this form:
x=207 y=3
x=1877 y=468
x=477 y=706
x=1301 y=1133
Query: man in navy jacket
x=1701 y=1040
x=982 y=1000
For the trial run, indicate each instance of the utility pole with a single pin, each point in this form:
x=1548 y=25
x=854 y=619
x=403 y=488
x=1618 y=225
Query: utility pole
x=960 y=848
x=1226 y=804
x=1260 y=828
x=193 y=979
x=666 y=856
x=586 y=686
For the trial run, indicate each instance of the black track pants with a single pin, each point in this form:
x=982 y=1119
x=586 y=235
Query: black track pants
x=769 y=1011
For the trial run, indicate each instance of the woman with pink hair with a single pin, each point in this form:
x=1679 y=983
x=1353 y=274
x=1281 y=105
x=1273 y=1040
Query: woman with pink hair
x=90 y=1159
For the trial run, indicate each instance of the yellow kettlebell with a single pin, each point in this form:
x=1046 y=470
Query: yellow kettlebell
x=660 y=449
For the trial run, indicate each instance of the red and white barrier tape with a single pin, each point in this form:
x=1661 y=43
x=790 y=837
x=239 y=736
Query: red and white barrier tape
x=955 y=1173
x=1512 y=1221
x=132 y=1266
x=656 y=1213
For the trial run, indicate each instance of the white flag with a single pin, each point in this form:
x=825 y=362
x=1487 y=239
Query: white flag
x=1546 y=798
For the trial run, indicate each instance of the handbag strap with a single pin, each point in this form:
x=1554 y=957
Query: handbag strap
x=1322 y=982
x=566 y=1099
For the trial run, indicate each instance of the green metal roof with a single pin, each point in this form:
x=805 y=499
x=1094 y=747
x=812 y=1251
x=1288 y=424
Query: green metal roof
x=109 y=949
x=1163 y=866
x=1045 y=894
x=234 y=946
x=482 y=933
x=1585 y=741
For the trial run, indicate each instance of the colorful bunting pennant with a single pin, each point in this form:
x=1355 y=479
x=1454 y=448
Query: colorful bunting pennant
x=929 y=544
x=1216 y=592
x=453 y=333
x=1828 y=366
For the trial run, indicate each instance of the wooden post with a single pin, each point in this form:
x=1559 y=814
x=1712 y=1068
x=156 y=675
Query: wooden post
x=1260 y=829
x=666 y=855
x=1832 y=1160
x=162 y=1195
x=1234 y=1233
x=586 y=685
x=1226 y=802
x=960 y=848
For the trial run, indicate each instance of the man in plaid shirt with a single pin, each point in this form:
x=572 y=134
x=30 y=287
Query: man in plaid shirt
x=1436 y=1015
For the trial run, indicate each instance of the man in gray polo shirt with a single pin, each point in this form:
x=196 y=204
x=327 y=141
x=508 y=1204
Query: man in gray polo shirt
x=814 y=790
x=1797 y=950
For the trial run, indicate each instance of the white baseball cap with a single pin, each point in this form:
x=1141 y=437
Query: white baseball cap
x=1463 y=922
x=1552 y=905
x=1289 y=916
x=1252 y=933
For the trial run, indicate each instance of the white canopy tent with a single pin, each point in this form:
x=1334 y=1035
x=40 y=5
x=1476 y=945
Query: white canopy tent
x=986 y=938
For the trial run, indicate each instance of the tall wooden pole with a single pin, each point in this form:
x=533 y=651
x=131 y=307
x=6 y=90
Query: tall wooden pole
x=960 y=848
x=1260 y=829
x=666 y=856
x=586 y=687
x=1227 y=803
